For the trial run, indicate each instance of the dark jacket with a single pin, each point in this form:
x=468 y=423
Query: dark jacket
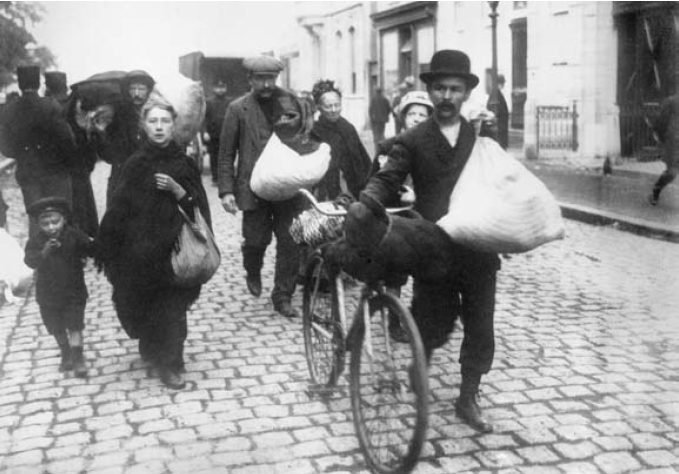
x=35 y=133
x=425 y=154
x=214 y=115
x=245 y=133
x=347 y=154
x=139 y=231
x=379 y=109
x=60 y=281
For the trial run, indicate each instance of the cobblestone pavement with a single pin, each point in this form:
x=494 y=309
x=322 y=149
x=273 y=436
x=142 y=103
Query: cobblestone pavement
x=586 y=378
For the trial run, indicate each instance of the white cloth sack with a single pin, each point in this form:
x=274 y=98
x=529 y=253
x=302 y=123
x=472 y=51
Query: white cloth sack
x=15 y=275
x=280 y=172
x=499 y=206
x=188 y=99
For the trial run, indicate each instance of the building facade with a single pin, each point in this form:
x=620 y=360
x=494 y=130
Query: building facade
x=583 y=78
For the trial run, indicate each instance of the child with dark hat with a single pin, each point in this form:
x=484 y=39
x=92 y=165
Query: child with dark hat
x=56 y=252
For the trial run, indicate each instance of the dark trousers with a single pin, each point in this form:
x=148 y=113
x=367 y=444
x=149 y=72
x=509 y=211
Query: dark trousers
x=259 y=226
x=58 y=319
x=213 y=151
x=665 y=178
x=46 y=186
x=471 y=295
x=378 y=131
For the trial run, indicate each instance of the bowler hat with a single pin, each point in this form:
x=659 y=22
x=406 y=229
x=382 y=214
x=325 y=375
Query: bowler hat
x=28 y=77
x=450 y=62
x=55 y=203
x=263 y=65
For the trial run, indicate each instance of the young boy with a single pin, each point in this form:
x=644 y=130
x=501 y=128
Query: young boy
x=56 y=252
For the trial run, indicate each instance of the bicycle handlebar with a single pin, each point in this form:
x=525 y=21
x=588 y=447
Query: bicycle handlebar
x=342 y=212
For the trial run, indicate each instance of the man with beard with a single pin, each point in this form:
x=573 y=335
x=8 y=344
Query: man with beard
x=125 y=133
x=248 y=125
x=214 y=119
x=434 y=153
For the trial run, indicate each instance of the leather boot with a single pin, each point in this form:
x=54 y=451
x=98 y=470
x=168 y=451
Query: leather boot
x=66 y=357
x=467 y=407
x=79 y=367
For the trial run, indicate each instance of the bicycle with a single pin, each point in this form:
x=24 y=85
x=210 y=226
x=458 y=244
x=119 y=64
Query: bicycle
x=388 y=381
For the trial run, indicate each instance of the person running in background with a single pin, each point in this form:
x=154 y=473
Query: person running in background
x=667 y=128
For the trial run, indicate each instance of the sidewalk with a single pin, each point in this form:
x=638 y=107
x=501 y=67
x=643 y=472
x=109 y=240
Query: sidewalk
x=619 y=199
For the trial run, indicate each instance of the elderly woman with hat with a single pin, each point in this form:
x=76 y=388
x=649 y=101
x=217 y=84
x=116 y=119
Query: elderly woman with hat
x=350 y=163
x=434 y=153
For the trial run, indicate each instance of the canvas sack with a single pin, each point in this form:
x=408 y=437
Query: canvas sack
x=196 y=256
x=500 y=206
x=280 y=172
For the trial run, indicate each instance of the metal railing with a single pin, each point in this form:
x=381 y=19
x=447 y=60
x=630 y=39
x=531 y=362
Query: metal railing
x=557 y=127
x=637 y=137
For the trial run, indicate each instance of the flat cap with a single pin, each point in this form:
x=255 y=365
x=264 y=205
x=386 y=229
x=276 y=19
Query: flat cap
x=46 y=204
x=263 y=65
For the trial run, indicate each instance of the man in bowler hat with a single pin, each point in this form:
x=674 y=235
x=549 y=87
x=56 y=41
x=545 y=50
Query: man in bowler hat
x=434 y=153
x=248 y=125
x=35 y=133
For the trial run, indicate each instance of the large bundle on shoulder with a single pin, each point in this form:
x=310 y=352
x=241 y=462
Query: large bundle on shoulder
x=500 y=206
x=188 y=99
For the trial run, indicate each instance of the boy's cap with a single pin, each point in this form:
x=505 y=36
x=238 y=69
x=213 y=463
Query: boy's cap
x=43 y=205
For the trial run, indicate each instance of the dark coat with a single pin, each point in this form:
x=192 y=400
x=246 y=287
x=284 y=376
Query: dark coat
x=425 y=154
x=502 y=116
x=347 y=154
x=214 y=115
x=60 y=281
x=139 y=231
x=245 y=133
x=379 y=109
x=35 y=133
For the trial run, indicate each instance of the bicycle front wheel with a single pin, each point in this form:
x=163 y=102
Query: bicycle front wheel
x=389 y=387
x=322 y=327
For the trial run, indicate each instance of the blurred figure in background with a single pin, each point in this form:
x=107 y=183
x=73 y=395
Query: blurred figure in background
x=667 y=128
x=378 y=111
x=501 y=113
x=214 y=119
x=56 y=87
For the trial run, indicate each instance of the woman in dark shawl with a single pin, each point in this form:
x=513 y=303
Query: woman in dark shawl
x=350 y=163
x=137 y=236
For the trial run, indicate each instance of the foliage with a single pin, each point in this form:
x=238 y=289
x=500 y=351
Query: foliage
x=14 y=37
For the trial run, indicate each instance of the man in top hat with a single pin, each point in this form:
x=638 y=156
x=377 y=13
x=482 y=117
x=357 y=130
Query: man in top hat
x=435 y=153
x=56 y=87
x=36 y=135
x=125 y=133
x=248 y=125
x=214 y=119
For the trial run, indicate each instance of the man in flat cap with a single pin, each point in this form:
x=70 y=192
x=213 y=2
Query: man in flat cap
x=248 y=125
x=214 y=119
x=36 y=135
x=125 y=133
x=434 y=153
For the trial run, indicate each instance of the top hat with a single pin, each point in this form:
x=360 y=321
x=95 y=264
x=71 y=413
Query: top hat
x=55 y=82
x=450 y=62
x=55 y=203
x=28 y=77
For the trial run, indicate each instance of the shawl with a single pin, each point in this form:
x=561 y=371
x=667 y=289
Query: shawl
x=141 y=225
x=348 y=155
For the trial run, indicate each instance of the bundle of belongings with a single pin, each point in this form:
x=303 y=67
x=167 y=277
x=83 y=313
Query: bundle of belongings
x=499 y=206
x=188 y=100
x=291 y=159
x=15 y=275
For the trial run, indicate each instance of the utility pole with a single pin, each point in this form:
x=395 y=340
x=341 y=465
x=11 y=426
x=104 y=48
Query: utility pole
x=493 y=102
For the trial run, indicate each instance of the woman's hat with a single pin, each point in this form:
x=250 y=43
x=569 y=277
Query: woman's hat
x=414 y=97
x=450 y=62
x=57 y=204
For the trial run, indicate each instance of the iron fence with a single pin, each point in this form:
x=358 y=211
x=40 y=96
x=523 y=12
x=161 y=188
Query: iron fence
x=637 y=137
x=557 y=127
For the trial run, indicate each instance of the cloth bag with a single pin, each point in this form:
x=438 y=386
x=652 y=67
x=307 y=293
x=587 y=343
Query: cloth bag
x=196 y=257
x=280 y=172
x=499 y=206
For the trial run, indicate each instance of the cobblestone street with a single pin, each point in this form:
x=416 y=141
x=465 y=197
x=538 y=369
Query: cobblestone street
x=585 y=380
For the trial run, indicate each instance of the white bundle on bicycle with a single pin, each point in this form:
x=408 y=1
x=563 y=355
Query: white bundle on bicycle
x=499 y=206
x=280 y=171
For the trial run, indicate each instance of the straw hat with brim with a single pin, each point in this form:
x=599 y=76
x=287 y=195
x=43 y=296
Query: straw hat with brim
x=414 y=97
x=450 y=62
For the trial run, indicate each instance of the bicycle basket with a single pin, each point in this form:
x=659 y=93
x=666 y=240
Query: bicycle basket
x=313 y=228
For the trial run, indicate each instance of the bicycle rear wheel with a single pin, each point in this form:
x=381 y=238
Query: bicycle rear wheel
x=323 y=332
x=389 y=387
